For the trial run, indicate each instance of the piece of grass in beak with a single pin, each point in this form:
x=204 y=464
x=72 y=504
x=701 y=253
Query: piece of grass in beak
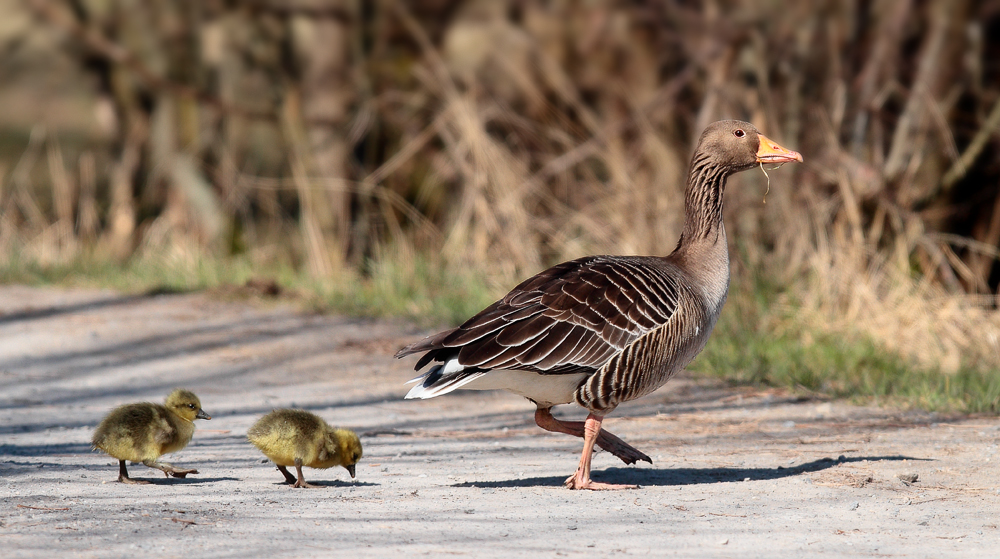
x=762 y=170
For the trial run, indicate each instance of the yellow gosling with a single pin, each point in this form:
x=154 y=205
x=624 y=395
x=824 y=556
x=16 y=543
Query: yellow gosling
x=143 y=432
x=299 y=438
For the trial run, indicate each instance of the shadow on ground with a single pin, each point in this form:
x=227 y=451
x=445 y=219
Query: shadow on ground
x=687 y=476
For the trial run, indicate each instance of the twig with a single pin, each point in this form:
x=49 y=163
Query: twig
x=333 y=12
x=960 y=167
x=965 y=242
x=912 y=120
x=890 y=28
x=343 y=185
x=590 y=147
x=20 y=177
x=41 y=508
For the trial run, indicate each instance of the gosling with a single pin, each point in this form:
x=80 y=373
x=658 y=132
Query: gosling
x=299 y=438
x=143 y=432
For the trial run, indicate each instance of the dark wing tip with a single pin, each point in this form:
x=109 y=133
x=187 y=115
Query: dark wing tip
x=426 y=344
x=408 y=350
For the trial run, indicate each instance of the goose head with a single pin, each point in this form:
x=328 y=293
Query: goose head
x=186 y=405
x=347 y=446
x=736 y=146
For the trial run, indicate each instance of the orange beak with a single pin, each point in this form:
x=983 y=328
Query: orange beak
x=770 y=152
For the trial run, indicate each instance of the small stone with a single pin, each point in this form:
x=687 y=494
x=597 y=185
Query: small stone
x=907 y=478
x=854 y=506
x=724 y=542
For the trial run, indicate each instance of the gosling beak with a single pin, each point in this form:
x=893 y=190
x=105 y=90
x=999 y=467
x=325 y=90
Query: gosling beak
x=202 y=414
x=350 y=470
x=770 y=152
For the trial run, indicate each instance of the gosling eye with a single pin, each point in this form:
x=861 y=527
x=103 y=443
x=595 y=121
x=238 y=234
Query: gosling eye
x=192 y=406
x=739 y=133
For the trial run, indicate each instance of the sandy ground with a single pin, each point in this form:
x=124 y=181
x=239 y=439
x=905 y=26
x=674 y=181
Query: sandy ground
x=736 y=473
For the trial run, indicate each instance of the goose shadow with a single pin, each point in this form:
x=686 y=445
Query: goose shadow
x=687 y=476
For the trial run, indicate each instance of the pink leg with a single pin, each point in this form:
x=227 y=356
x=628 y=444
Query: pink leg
x=609 y=442
x=301 y=482
x=581 y=479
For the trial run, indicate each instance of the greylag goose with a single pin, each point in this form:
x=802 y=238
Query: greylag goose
x=603 y=330
x=143 y=432
x=299 y=438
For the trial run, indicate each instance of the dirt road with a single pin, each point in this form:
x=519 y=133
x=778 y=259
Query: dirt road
x=735 y=474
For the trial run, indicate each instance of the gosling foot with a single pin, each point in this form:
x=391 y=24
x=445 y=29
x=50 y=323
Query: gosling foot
x=130 y=481
x=301 y=482
x=123 y=475
x=180 y=473
x=168 y=469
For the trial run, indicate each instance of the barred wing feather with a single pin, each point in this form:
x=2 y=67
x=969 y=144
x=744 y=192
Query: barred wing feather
x=571 y=318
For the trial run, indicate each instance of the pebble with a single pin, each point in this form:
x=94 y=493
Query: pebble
x=907 y=478
x=854 y=506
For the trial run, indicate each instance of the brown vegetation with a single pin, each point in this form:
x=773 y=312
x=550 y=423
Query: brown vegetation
x=519 y=132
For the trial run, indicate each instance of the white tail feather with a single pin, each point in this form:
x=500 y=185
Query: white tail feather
x=424 y=392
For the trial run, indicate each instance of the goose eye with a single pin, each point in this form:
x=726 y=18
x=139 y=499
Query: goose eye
x=191 y=406
x=739 y=133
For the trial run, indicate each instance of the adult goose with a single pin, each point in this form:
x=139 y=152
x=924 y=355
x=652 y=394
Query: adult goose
x=603 y=330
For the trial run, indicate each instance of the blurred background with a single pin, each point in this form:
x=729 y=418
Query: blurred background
x=418 y=157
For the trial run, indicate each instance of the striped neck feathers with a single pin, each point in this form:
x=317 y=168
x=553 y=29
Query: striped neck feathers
x=703 y=201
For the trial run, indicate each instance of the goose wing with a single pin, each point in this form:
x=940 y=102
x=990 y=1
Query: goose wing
x=571 y=318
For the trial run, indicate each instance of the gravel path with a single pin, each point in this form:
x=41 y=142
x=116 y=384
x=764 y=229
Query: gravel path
x=736 y=473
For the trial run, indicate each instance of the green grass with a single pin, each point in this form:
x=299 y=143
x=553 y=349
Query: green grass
x=847 y=366
x=418 y=288
x=141 y=274
x=426 y=290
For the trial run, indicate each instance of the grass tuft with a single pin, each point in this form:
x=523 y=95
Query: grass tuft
x=752 y=345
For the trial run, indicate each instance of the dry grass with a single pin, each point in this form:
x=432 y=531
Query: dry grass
x=408 y=153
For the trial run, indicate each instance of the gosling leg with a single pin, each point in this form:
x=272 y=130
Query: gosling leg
x=301 y=482
x=123 y=475
x=289 y=478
